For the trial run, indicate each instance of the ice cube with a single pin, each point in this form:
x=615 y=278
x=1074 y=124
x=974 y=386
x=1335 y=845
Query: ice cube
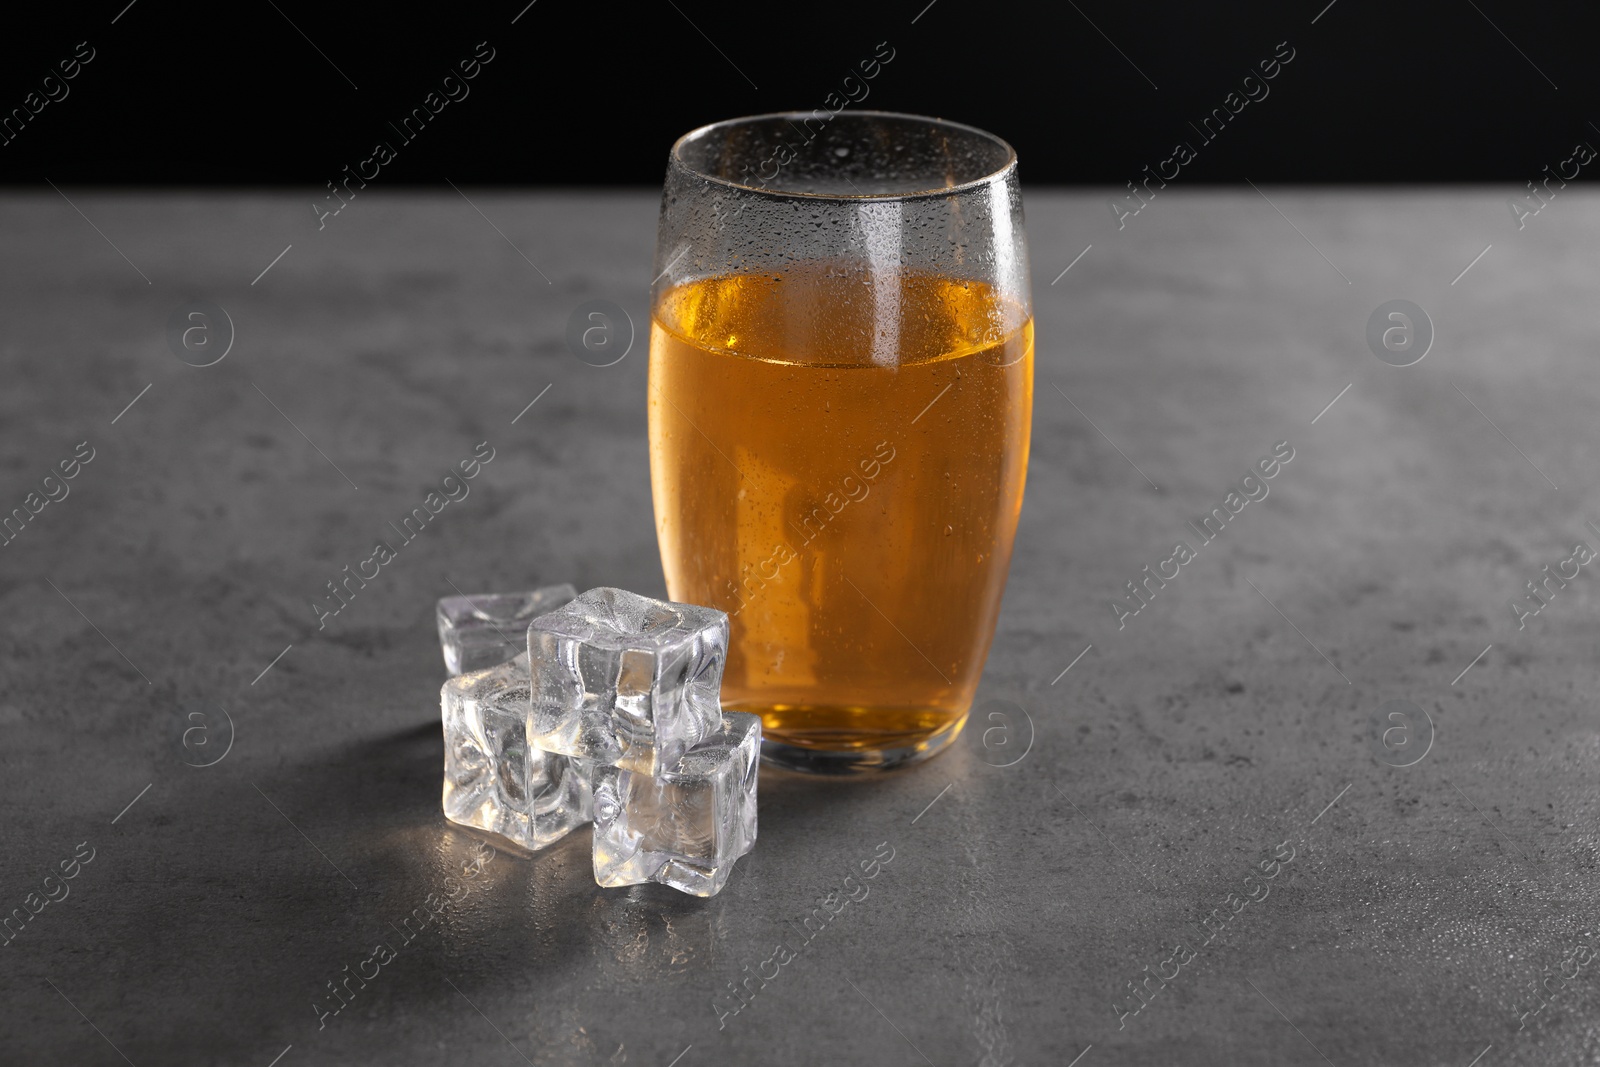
x=626 y=681
x=493 y=779
x=487 y=629
x=685 y=827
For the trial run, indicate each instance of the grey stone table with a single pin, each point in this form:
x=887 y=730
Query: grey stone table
x=1188 y=848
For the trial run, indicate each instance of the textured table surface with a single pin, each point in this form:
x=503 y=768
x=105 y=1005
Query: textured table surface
x=1411 y=912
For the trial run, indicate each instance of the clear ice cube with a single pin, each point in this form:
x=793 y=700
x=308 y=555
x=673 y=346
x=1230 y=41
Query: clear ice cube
x=493 y=779
x=487 y=629
x=625 y=680
x=685 y=827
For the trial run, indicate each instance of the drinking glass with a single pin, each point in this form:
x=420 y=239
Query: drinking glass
x=841 y=388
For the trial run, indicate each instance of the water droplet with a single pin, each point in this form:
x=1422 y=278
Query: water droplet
x=948 y=530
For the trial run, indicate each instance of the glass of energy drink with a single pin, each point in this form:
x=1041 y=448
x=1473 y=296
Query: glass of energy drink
x=841 y=387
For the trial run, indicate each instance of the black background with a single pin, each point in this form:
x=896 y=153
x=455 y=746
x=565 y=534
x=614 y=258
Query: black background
x=588 y=93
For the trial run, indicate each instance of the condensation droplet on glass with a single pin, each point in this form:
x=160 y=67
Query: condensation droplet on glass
x=948 y=530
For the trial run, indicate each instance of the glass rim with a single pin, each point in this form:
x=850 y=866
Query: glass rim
x=675 y=157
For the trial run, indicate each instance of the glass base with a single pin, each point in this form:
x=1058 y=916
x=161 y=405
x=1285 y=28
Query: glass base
x=858 y=760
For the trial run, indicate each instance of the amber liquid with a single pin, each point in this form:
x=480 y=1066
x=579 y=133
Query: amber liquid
x=839 y=465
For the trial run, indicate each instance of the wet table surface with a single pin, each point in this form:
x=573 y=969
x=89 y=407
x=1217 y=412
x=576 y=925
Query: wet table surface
x=1182 y=836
